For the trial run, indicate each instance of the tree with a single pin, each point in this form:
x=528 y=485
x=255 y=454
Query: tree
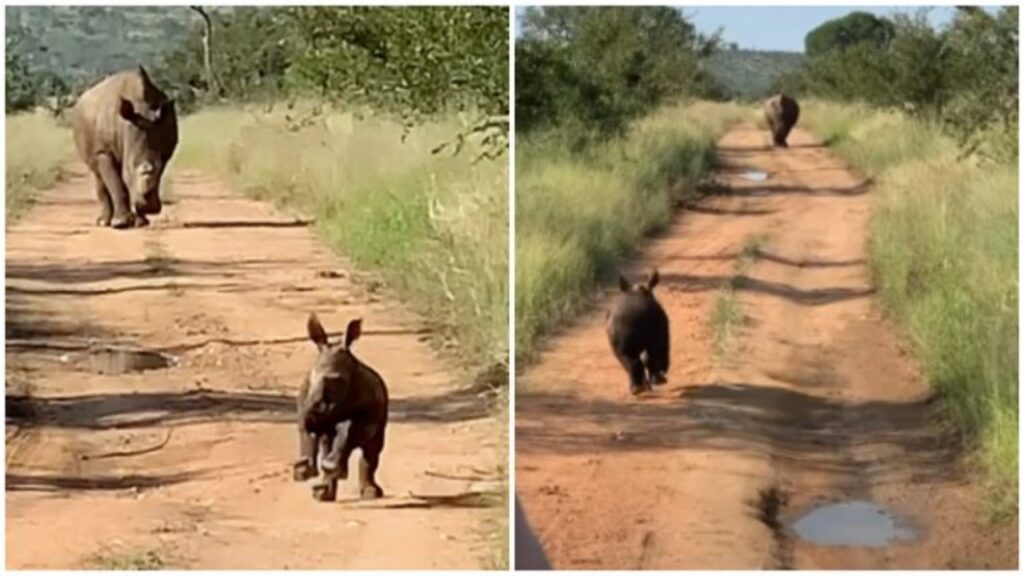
x=982 y=112
x=211 y=80
x=414 y=62
x=850 y=30
x=599 y=67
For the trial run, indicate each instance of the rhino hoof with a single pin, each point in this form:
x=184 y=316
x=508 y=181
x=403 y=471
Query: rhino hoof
x=302 y=471
x=141 y=221
x=123 y=222
x=103 y=221
x=325 y=492
x=371 y=493
x=659 y=379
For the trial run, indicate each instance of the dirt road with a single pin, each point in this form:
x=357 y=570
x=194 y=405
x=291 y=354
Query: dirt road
x=814 y=399
x=190 y=466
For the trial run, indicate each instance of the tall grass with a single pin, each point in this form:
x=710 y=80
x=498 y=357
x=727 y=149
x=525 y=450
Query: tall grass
x=37 y=148
x=944 y=253
x=577 y=213
x=434 y=226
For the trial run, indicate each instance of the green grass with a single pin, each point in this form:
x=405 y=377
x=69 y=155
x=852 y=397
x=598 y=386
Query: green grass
x=578 y=213
x=37 y=148
x=943 y=251
x=126 y=560
x=434 y=226
x=728 y=317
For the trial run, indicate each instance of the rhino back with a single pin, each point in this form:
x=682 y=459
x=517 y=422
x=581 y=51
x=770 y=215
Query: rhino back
x=635 y=321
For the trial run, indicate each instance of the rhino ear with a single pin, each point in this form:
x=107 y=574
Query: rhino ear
x=354 y=330
x=623 y=283
x=316 y=331
x=653 y=279
x=127 y=110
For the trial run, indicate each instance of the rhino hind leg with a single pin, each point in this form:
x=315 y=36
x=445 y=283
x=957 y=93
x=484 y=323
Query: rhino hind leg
x=103 y=197
x=110 y=175
x=368 y=463
x=638 y=381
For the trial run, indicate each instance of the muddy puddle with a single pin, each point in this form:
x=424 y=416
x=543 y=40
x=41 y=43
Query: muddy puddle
x=852 y=523
x=115 y=361
x=754 y=175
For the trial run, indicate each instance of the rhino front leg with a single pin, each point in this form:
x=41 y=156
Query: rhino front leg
x=118 y=192
x=305 y=466
x=103 y=197
x=334 y=455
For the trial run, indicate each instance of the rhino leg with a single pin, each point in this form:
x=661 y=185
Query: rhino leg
x=122 y=217
x=305 y=467
x=637 y=376
x=335 y=453
x=103 y=197
x=368 y=463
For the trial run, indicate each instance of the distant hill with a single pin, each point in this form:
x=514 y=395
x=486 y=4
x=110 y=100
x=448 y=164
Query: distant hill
x=749 y=74
x=83 y=43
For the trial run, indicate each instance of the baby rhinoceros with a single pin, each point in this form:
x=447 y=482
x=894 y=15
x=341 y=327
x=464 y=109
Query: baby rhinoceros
x=638 y=331
x=342 y=405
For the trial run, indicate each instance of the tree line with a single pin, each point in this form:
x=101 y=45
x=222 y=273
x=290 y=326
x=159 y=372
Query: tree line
x=963 y=76
x=412 y=62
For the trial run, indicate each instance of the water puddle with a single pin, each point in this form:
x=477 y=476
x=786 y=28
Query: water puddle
x=852 y=523
x=120 y=360
x=755 y=175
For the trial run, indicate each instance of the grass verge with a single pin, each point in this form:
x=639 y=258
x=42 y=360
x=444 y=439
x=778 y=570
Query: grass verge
x=578 y=213
x=943 y=251
x=434 y=226
x=37 y=149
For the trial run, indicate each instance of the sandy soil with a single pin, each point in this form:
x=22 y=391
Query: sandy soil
x=814 y=400
x=190 y=466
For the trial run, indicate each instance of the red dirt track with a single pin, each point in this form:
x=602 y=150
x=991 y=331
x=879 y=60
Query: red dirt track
x=817 y=400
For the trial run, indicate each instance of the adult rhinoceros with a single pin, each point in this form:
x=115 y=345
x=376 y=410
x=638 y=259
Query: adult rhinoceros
x=125 y=130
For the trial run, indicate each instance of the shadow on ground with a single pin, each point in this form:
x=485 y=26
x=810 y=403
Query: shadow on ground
x=147 y=409
x=804 y=429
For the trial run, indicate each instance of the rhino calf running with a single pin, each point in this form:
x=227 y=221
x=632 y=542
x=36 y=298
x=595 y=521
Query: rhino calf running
x=781 y=113
x=638 y=331
x=125 y=130
x=342 y=405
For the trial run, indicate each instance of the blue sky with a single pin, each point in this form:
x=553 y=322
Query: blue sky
x=780 y=27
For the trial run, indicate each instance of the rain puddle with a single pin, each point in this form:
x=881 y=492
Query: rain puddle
x=851 y=523
x=120 y=360
x=755 y=175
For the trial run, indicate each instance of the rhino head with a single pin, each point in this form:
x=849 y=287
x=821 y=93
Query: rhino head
x=149 y=138
x=334 y=372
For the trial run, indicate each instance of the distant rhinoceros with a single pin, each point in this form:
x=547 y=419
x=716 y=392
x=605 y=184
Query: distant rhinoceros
x=125 y=130
x=781 y=112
